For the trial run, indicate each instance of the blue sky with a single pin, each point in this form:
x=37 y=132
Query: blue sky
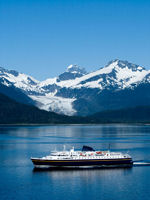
x=43 y=37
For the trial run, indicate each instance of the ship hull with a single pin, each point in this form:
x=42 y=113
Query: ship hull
x=40 y=163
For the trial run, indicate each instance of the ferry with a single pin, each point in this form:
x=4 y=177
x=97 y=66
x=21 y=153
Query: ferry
x=86 y=158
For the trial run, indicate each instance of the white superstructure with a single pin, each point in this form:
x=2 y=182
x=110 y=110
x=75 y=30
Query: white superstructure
x=75 y=155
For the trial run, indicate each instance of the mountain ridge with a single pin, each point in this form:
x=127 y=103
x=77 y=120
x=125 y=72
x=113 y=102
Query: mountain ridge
x=76 y=92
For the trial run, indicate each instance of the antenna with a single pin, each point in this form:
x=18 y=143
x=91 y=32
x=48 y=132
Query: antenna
x=109 y=147
x=64 y=147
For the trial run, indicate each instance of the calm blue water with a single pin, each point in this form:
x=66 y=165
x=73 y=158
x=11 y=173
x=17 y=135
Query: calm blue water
x=18 y=180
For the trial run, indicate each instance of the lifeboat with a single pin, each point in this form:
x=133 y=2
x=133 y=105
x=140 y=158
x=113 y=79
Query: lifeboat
x=99 y=152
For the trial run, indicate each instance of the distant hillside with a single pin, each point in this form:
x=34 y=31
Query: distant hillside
x=139 y=114
x=12 y=112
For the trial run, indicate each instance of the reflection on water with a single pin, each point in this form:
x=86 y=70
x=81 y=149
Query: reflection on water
x=81 y=172
x=18 y=179
x=84 y=174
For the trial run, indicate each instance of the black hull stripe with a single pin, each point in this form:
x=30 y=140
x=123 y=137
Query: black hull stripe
x=36 y=160
x=83 y=163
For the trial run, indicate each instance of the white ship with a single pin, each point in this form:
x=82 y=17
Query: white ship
x=86 y=158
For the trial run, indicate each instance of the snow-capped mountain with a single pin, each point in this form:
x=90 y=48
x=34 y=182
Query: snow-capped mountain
x=119 y=84
x=15 y=85
x=72 y=72
x=19 y=80
x=52 y=84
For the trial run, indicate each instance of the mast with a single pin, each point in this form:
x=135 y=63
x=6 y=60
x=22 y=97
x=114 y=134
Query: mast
x=109 y=147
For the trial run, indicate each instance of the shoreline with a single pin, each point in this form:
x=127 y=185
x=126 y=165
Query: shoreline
x=69 y=124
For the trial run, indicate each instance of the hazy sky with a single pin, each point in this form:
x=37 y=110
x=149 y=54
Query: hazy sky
x=43 y=37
